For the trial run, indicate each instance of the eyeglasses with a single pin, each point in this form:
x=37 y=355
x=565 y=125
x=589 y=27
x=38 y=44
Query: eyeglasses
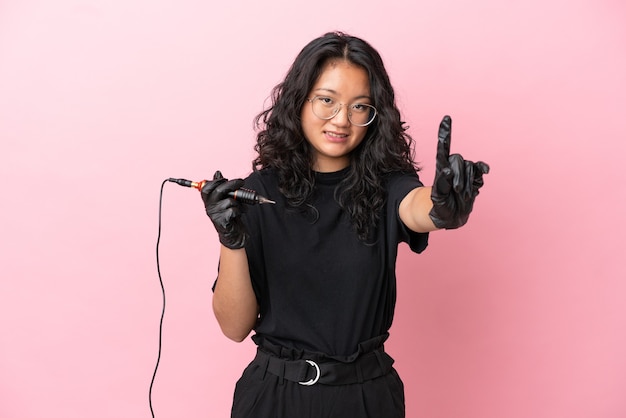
x=359 y=114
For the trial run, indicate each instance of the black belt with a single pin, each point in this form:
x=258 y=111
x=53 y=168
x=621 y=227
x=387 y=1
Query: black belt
x=328 y=372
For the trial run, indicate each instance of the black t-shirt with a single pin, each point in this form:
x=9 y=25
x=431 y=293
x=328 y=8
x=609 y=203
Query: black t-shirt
x=318 y=286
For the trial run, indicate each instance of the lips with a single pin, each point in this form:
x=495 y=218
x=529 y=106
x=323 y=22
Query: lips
x=335 y=136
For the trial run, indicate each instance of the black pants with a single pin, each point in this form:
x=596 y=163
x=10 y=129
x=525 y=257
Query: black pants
x=260 y=393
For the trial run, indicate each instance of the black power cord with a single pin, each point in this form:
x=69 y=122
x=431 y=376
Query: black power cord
x=247 y=196
x=156 y=367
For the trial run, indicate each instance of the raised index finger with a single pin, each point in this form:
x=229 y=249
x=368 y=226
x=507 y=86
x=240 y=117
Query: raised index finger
x=443 y=144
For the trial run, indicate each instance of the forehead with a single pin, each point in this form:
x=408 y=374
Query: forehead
x=342 y=77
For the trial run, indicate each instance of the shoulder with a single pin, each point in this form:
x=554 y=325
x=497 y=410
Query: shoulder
x=399 y=183
x=263 y=176
x=265 y=182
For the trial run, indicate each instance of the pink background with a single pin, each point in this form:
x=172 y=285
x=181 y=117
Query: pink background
x=519 y=314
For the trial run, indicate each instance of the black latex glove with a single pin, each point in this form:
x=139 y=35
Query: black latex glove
x=224 y=211
x=456 y=183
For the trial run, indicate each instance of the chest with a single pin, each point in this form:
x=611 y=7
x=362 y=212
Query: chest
x=318 y=249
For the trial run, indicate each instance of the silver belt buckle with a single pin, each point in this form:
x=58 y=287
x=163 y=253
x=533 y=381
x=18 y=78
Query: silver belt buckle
x=317 y=374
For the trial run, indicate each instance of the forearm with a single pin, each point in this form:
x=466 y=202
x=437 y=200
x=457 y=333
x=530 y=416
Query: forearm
x=415 y=209
x=234 y=302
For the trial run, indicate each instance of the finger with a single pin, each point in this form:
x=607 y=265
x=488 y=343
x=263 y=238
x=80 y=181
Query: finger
x=210 y=186
x=468 y=188
x=457 y=165
x=482 y=167
x=218 y=175
x=229 y=186
x=443 y=181
x=443 y=143
x=479 y=170
x=225 y=206
x=223 y=213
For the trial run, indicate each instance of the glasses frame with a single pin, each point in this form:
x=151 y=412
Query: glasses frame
x=338 y=109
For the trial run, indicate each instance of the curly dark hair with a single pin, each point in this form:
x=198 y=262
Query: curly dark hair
x=386 y=148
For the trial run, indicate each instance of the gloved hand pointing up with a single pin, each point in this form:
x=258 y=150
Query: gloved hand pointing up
x=456 y=184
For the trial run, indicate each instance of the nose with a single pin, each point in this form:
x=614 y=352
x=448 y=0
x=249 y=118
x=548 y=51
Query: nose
x=341 y=117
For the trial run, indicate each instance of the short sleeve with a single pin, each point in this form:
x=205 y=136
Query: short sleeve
x=399 y=185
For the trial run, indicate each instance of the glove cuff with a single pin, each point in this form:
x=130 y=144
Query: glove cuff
x=453 y=223
x=234 y=241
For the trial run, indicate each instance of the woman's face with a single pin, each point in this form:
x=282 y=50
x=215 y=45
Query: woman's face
x=334 y=139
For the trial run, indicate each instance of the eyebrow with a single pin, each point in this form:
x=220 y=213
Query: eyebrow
x=364 y=96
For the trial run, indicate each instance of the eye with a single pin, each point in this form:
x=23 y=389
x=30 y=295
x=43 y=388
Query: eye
x=326 y=101
x=360 y=107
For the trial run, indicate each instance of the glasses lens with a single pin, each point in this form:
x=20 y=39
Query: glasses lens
x=359 y=114
x=324 y=107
